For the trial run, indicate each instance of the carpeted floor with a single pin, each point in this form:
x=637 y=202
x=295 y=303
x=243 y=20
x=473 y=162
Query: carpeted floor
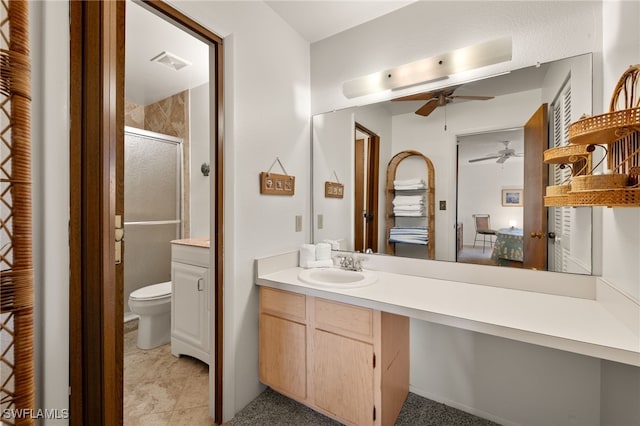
x=470 y=254
x=271 y=408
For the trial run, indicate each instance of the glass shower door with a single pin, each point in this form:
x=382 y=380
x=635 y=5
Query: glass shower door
x=153 y=213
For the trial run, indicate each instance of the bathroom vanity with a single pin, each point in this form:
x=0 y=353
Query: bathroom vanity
x=348 y=362
x=190 y=300
x=578 y=314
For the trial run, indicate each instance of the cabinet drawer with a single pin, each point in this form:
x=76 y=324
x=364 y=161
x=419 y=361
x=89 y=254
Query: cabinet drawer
x=347 y=320
x=283 y=304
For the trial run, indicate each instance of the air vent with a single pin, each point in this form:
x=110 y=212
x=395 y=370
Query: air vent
x=170 y=60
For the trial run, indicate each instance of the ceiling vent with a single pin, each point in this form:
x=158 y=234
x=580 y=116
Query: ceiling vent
x=170 y=60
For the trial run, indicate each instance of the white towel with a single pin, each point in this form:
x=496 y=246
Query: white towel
x=335 y=244
x=409 y=213
x=327 y=263
x=323 y=251
x=408 y=207
x=403 y=200
x=409 y=187
x=408 y=182
x=307 y=255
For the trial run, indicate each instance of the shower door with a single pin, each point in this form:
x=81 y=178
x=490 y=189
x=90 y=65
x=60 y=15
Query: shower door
x=152 y=202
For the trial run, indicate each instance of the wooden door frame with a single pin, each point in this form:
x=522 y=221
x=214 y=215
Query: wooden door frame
x=535 y=181
x=373 y=185
x=97 y=34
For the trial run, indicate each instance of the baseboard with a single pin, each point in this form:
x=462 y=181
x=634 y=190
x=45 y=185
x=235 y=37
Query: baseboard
x=462 y=407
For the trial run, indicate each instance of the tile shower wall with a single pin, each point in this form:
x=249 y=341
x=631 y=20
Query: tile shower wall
x=169 y=116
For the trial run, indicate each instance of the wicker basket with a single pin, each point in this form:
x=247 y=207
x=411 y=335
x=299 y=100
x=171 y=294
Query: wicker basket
x=605 y=197
x=556 y=200
x=566 y=154
x=558 y=190
x=605 y=128
x=591 y=182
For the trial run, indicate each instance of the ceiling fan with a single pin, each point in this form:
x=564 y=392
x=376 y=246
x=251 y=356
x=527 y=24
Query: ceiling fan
x=502 y=155
x=438 y=98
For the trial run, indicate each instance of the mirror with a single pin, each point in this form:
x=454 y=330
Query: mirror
x=490 y=124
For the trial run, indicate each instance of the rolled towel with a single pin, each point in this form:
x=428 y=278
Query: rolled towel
x=335 y=244
x=327 y=263
x=307 y=255
x=323 y=251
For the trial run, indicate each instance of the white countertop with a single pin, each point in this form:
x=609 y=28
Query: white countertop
x=568 y=323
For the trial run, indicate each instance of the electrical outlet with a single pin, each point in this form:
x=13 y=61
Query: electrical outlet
x=320 y=221
x=298 y=223
x=443 y=205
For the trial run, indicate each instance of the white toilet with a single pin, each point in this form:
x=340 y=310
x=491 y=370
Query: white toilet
x=153 y=304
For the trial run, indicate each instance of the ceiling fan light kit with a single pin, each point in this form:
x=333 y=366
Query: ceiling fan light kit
x=431 y=69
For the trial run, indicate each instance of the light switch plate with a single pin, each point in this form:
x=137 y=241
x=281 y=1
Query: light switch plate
x=298 y=223
x=320 y=221
x=443 y=204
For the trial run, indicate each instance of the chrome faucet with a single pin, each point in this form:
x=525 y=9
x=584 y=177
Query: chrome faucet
x=351 y=263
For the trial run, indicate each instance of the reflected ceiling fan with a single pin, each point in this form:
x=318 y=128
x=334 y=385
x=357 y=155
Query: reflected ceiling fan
x=438 y=98
x=502 y=155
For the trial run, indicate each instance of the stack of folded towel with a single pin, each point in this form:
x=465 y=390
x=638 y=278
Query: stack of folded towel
x=408 y=205
x=408 y=184
x=316 y=256
x=410 y=235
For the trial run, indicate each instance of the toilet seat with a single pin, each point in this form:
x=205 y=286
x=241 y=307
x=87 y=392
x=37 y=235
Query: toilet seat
x=152 y=292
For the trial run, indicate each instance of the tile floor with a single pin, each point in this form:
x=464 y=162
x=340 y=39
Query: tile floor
x=161 y=389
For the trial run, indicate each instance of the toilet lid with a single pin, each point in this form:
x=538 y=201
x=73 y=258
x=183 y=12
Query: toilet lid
x=154 y=291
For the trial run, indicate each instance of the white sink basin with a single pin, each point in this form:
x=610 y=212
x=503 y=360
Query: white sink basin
x=337 y=278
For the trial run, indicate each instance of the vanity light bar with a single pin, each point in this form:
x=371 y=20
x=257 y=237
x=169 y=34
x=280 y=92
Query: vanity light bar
x=431 y=69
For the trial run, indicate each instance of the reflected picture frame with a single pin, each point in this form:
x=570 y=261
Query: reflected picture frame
x=512 y=197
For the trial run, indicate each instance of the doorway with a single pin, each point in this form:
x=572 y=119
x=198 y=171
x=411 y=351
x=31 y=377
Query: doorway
x=367 y=147
x=97 y=157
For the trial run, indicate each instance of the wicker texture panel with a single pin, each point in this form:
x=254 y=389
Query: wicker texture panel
x=16 y=267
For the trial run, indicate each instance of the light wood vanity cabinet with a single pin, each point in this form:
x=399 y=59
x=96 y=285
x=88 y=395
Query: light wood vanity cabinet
x=348 y=362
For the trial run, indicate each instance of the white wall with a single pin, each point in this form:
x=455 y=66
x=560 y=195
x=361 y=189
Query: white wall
x=199 y=151
x=333 y=150
x=541 y=31
x=49 y=33
x=267 y=105
x=621 y=226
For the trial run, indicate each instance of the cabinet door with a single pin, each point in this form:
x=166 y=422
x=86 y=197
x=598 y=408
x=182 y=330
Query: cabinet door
x=343 y=377
x=189 y=314
x=283 y=355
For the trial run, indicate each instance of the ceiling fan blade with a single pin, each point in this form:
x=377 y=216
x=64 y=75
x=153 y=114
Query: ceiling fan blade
x=491 y=157
x=427 y=108
x=502 y=159
x=476 y=98
x=426 y=96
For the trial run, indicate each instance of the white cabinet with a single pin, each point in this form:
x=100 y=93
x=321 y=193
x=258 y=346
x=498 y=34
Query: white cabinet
x=190 y=302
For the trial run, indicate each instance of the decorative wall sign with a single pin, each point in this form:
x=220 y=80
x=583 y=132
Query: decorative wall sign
x=333 y=190
x=275 y=184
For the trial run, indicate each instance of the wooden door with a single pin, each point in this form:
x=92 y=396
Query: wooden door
x=371 y=237
x=536 y=140
x=343 y=377
x=359 y=202
x=283 y=356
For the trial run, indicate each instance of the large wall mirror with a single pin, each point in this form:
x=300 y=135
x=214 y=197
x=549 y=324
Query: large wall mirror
x=485 y=159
